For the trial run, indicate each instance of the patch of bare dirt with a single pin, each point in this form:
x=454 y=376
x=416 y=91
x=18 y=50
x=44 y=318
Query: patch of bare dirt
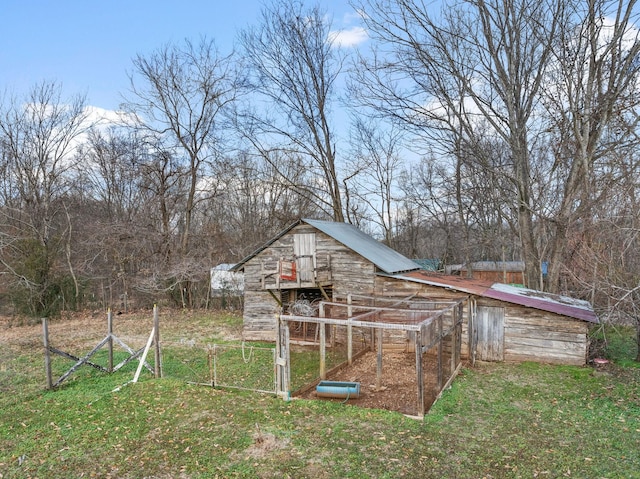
x=264 y=444
x=398 y=389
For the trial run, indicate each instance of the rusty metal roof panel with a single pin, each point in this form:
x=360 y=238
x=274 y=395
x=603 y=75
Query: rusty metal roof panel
x=563 y=305
x=553 y=303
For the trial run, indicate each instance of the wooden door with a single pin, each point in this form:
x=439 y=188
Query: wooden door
x=304 y=249
x=490 y=333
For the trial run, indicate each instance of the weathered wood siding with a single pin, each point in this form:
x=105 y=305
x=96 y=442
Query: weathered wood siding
x=260 y=310
x=529 y=334
x=349 y=273
x=490 y=333
x=534 y=335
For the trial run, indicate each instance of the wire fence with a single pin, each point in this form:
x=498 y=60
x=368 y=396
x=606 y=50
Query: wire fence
x=233 y=366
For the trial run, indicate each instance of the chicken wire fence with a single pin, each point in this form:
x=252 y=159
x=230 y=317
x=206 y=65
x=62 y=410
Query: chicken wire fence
x=236 y=366
x=400 y=356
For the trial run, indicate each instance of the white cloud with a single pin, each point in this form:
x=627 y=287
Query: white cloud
x=350 y=37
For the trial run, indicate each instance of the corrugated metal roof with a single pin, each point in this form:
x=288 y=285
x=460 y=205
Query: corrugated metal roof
x=385 y=258
x=553 y=303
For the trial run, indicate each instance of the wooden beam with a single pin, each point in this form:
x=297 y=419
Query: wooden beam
x=324 y=293
x=144 y=356
x=80 y=362
x=75 y=358
x=278 y=300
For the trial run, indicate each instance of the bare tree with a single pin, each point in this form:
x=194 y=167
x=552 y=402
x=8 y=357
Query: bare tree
x=294 y=67
x=255 y=203
x=180 y=93
x=437 y=80
x=38 y=135
x=376 y=166
x=111 y=162
x=591 y=96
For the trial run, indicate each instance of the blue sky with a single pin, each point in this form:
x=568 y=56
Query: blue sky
x=88 y=45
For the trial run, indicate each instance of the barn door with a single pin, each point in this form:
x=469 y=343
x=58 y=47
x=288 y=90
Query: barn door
x=304 y=249
x=490 y=333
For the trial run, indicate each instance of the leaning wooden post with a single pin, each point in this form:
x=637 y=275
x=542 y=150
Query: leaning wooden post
x=47 y=355
x=110 y=342
x=156 y=339
x=349 y=331
x=379 y=361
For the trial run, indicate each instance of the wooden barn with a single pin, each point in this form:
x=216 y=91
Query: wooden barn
x=316 y=260
x=309 y=261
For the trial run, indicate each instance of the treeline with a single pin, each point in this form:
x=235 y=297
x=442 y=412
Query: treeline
x=499 y=130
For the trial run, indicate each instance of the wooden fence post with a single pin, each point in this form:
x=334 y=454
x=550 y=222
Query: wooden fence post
x=323 y=351
x=279 y=354
x=156 y=327
x=439 y=352
x=379 y=360
x=110 y=342
x=419 y=372
x=349 y=331
x=47 y=355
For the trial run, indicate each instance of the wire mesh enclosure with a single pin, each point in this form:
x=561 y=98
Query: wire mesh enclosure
x=221 y=365
x=401 y=352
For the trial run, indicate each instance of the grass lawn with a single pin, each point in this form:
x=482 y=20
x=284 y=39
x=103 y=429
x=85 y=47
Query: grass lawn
x=497 y=421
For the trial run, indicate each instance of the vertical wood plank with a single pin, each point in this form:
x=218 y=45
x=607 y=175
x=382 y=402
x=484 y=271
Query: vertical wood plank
x=490 y=325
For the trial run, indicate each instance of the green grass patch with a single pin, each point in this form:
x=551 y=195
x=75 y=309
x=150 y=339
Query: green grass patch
x=617 y=343
x=497 y=420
